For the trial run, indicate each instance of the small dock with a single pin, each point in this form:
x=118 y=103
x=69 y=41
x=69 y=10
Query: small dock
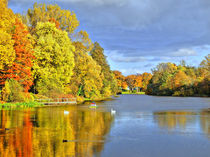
x=55 y=101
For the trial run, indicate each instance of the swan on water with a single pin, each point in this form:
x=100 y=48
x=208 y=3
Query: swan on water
x=66 y=112
x=113 y=111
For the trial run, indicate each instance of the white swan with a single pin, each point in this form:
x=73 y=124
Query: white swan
x=66 y=112
x=113 y=111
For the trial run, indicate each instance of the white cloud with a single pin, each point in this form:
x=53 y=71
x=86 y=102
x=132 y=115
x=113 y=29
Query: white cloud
x=184 y=52
x=130 y=71
x=116 y=56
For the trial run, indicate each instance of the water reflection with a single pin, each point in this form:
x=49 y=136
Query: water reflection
x=184 y=121
x=41 y=132
x=205 y=121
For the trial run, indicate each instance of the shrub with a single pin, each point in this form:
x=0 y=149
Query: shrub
x=28 y=97
x=13 y=91
x=134 y=91
x=80 y=99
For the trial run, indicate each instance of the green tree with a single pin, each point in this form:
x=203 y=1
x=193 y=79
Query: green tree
x=54 y=62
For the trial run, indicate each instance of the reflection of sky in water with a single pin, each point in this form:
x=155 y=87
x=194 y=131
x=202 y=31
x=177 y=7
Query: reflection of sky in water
x=150 y=134
x=150 y=120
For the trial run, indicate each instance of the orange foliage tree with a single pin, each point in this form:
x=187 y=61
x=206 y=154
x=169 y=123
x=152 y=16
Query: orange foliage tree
x=146 y=77
x=131 y=82
x=134 y=81
x=180 y=79
x=120 y=79
x=21 y=67
x=138 y=81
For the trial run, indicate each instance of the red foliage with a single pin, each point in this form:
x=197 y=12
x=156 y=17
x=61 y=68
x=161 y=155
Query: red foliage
x=21 y=68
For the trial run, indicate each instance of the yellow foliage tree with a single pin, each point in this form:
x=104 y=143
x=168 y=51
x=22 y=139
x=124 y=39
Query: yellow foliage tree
x=87 y=79
x=7 y=20
x=180 y=79
x=146 y=77
x=54 y=61
x=43 y=13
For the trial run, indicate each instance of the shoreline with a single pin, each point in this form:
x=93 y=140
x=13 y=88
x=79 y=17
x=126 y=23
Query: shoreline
x=96 y=100
x=143 y=93
x=39 y=104
x=192 y=96
x=138 y=93
x=20 y=105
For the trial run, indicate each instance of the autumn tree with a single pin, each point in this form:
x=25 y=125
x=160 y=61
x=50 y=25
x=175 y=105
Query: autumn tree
x=43 y=13
x=7 y=20
x=203 y=82
x=57 y=24
x=138 y=82
x=86 y=80
x=205 y=67
x=124 y=85
x=146 y=77
x=131 y=82
x=54 y=62
x=120 y=79
x=180 y=79
x=161 y=79
x=109 y=82
x=83 y=37
x=21 y=67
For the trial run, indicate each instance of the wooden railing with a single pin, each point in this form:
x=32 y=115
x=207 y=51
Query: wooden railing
x=57 y=101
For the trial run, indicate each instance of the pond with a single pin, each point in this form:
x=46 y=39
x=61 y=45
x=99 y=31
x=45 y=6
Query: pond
x=143 y=126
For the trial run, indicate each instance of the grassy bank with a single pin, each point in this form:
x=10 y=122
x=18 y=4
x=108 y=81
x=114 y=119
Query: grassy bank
x=21 y=105
x=137 y=93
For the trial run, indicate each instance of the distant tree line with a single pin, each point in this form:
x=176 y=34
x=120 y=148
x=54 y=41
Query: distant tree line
x=181 y=80
x=133 y=83
x=169 y=79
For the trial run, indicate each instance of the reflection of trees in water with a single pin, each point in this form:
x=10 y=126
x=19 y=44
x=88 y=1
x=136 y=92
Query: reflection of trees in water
x=205 y=121
x=15 y=142
x=172 y=120
x=42 y=133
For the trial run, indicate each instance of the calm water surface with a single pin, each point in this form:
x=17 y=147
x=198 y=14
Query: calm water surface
x=143 y=126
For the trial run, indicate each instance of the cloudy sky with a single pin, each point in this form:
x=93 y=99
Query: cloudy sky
x=139 y=34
